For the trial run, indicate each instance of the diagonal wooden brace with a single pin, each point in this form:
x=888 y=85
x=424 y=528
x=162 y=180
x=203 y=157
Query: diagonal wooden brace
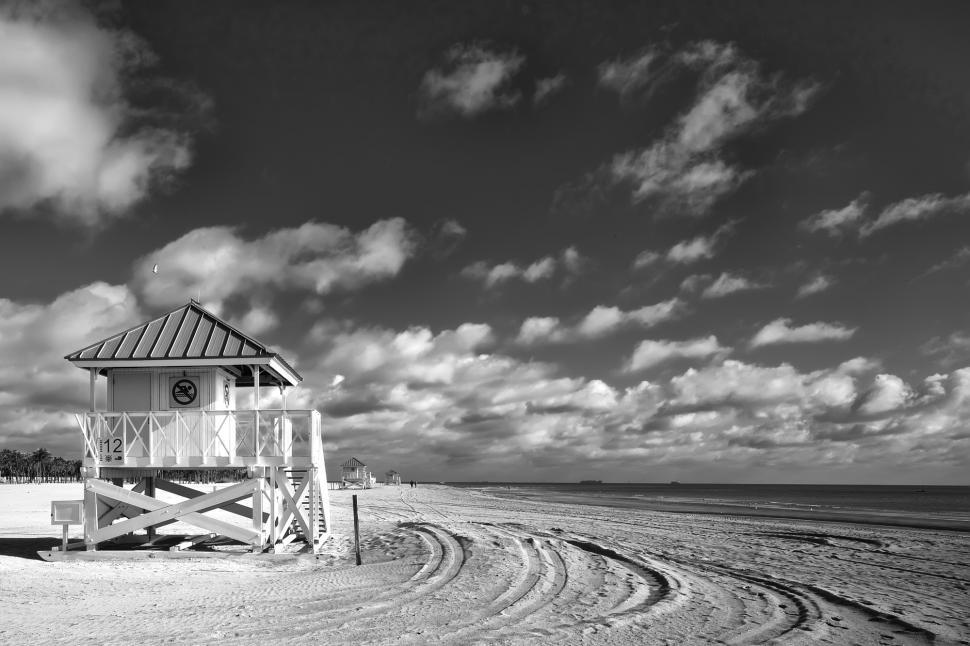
x=187 y=511
x=189 y=492
x=121 y=509
x=293 y=502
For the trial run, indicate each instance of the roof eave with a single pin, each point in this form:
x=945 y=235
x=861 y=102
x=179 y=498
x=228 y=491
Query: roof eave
x=275 y=363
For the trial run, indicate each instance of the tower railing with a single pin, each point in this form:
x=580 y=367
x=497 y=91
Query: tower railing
x=201 y=438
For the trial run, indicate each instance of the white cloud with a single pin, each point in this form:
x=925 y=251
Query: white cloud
x=690 y=251
x=916 y=208
x=485 y=416
x=819 y=283
x=780 y=331
x=600 y=321
x=698 y=248
x=545 y=268
x=650 y=353
x=473 y=79
x=539 y=270
x=573 y=261
x=257 y=320
x=835 y=222
x=217 y=263
x=69 y=137
x=684 y=167
x=547 y=87
x=738 y=382
x=888 y=393
x=541 y=329
x=38 y=387
x=646 y=258
x=858 y=366
x=729 y=284
x=694 y=282
x=630 y=76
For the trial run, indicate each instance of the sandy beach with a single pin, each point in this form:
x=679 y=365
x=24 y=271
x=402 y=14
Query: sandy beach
x=460 y=566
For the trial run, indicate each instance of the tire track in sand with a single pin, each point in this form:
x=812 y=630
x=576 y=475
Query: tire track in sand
x=541 y=581
x=445 y=561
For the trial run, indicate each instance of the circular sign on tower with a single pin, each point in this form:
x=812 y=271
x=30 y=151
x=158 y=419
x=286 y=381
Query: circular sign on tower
x=184 y=392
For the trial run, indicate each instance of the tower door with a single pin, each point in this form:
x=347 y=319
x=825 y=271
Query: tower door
x=132 y=391
x=128 y=437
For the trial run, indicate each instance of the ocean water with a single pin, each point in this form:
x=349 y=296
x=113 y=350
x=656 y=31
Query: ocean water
x=920 y=506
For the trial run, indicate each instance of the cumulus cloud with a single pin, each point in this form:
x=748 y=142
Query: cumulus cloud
x=836 y=222
x=542 y=329
x=70 y=136
x=547 y=87
x=569 y=261
x=916 y=208
x=684 y=170
x=646 y=258
x=630 y=76
x=888 y=393
x=739 y=383
x=487 y=416
x=650 y=353
x=728 y=283
x=218 y=263
x=698 y=248
x=599 y=322
x=819 y=283
x=257 y=320
x=690 y=251
x=694 y=282
x=472 y=79
x=780 y=331
x=36 y=383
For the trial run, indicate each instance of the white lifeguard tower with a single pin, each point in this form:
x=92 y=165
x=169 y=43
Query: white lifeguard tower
x=172 y=385
x=354 y=474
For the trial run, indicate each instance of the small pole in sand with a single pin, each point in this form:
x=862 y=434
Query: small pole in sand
x=356 y=531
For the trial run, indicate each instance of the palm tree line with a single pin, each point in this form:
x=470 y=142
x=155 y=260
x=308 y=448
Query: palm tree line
x=41 y=466
x=38 y=466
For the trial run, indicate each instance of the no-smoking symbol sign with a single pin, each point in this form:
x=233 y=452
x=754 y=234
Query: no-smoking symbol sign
x=184 y=392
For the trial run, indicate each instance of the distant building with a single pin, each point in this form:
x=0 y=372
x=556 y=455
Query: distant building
x=354 y=474
x=392 y=477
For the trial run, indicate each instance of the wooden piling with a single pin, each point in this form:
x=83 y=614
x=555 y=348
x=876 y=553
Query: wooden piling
x=356 y=531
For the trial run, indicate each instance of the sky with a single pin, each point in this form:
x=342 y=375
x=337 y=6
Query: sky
x=541 y=241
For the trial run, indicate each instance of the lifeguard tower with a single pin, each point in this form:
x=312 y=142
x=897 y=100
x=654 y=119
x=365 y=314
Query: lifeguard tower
x=172 y=388
x=354 y=474
x=392 y=477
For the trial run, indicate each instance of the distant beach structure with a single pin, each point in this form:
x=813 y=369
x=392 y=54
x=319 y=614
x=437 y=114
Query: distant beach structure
x=171 y=405
x=354 y=474
x=392 y=477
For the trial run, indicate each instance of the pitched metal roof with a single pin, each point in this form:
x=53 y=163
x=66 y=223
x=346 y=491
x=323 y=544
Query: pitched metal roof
x=352 y=463
x=187 y=333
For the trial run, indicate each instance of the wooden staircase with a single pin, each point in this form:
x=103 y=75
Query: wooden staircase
x=296 y=477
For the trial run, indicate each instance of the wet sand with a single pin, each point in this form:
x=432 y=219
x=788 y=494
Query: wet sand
x=458 y=566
